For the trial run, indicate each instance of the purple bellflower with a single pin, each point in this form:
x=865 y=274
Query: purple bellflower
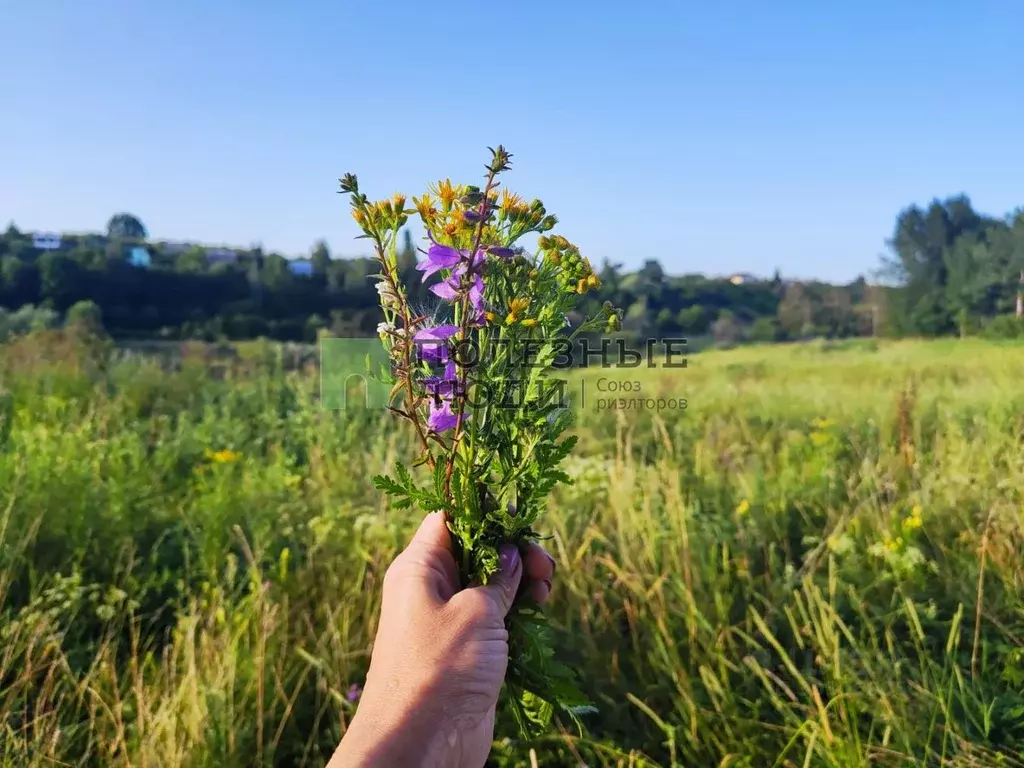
x=431 y=343
x=438 y=257
x=442 y=388
x=441 y=418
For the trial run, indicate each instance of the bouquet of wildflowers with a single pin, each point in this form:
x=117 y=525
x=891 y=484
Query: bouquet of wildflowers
x=474 y=376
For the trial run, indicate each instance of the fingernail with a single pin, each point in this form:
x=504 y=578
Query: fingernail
x=508 y=556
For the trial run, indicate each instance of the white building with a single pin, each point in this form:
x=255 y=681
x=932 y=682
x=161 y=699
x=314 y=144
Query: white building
x=46 y=241
x=743 y=277
x=221 y=256
x=173 y=248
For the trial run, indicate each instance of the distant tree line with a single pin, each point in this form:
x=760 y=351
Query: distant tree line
x=952 y=271
x=958 y=271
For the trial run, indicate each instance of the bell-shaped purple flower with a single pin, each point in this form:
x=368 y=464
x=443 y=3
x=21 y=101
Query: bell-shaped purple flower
x=437 y=333
x=438 y=257
x=443 y=386
x=447 y=289
x=442 y=389
x=431 y=343
x=441 y=417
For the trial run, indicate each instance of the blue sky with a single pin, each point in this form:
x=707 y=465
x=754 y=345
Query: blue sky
x=721 y=137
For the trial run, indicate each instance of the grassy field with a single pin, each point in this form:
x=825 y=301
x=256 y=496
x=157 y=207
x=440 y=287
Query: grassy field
x=816 y=563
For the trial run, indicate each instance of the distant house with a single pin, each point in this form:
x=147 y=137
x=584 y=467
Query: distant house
x=301 y=267
x=139 y=257
x=743 y=277
x=221 y=256
x=46 y=241
x=173 y=248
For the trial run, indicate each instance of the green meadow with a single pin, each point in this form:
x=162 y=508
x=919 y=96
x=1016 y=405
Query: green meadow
x=816 y=563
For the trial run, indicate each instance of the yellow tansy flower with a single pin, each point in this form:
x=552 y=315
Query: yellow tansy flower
x=913 y=521
x=223 y=457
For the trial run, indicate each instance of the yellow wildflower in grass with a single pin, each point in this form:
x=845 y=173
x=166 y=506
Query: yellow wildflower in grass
x=398 y=202
x=820 y=439
x=913 y=521
x=511 y=318
x=223 y=457
x=742 y=508
x=529 y=322
x=491 y=317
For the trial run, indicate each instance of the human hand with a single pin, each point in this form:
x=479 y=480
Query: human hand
x=439 y=658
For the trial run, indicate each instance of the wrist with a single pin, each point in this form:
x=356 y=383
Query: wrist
x=392 y=728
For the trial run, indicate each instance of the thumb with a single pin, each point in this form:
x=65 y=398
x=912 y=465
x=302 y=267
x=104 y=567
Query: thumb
x=504 y=585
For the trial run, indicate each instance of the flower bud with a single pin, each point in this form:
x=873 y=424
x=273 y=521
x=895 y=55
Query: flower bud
x=349 y=183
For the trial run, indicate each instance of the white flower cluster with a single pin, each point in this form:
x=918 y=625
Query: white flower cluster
x=389 y=329
x=388 y=298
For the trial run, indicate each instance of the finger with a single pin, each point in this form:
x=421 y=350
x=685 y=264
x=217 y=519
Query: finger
x=432 y=534
x=428 y=558
x=540 y=591
x=504 y=584
x=540 y=566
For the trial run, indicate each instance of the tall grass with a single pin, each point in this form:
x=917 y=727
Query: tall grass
x=817 y=563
